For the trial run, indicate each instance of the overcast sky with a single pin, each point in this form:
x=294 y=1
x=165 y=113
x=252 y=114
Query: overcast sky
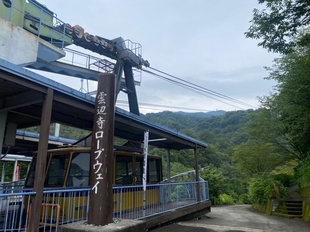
x=200 y=41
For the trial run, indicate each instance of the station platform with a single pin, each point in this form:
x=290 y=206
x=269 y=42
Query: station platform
x=127 y=225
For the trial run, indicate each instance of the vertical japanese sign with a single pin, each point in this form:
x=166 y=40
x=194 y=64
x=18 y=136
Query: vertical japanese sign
x=144 y=179
x=145 y=151
x=98 y=149
x=101 y=174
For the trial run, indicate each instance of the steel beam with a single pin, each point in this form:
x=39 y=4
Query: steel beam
x=131 y=89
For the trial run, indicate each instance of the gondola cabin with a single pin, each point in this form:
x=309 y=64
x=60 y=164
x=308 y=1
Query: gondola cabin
x=70 y=168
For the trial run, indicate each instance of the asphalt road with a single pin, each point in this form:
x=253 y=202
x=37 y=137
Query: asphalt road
x=237 y=218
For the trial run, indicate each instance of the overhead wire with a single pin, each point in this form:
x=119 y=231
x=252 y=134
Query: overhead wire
x=196 y=88
x=203 y=89
x=152 y=106
x=188 y=87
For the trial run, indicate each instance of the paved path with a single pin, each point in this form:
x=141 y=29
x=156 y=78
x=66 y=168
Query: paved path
x=238 y=218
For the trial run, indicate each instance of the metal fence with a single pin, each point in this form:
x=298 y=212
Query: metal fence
x=62 y=206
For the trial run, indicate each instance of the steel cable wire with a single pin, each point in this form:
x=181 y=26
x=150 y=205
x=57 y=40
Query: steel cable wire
x=197 y=89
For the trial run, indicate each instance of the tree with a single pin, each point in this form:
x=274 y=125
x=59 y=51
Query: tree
x=221 y=133
x=177 y=168
x=290 y=105
x=217 y=182
x=256 y=158
x=262 y=189
x=303 y=173
x=279 y=23
x=265 y=127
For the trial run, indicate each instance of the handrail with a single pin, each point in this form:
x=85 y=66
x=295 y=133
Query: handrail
x=66 y=205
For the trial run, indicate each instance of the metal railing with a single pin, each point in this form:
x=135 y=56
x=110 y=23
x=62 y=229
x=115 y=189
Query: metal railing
x=13 y=210
x=62 y=206
x=95 y=63
x=42 y=23
x=87 y=61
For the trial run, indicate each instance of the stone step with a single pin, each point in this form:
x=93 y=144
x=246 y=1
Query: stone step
x=286 y=215
x=289 y=208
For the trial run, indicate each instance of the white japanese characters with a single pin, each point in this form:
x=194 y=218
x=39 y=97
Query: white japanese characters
x=99 y=133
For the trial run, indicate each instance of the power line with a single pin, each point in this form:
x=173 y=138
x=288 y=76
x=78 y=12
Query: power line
x=204 y=90
x=199 y=87
x=190 y=88
x=196 y=88
x=152 y=106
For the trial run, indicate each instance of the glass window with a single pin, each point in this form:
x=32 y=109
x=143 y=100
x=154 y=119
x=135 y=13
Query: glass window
x=139 y=169
x=79 y=170
x=32 y=170
x=123 y=172
x=57 y=170
x=31 y=174
x=154 y=171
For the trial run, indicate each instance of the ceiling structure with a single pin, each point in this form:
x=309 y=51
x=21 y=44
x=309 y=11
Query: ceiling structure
x=22 y=93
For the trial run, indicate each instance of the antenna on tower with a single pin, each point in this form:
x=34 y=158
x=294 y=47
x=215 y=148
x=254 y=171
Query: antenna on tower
x=82 y=89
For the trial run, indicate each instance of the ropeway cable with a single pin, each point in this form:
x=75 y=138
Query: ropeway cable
x=200 y=88
x=197 y=89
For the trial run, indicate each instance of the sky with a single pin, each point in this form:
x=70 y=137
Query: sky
x=200 y=41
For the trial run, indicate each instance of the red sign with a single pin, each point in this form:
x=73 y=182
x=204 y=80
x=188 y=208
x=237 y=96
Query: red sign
x=17 y=173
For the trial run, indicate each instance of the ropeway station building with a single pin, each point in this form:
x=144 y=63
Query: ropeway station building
x=29 y=99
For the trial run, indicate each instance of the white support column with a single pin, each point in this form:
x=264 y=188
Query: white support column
x=145 y=153
x=15 y=170
x=57 y=129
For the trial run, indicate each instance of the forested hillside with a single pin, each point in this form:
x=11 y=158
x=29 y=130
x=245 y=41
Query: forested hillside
x=221 y=130
x=245 y=154
x=222 y=133
x=251 y=156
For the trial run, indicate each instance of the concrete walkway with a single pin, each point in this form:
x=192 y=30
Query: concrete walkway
x=238 y=218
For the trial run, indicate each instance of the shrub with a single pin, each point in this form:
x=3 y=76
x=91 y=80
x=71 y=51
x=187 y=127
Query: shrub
x=225 y=199
x=303 y=173
x=244 y=199
x=262 y=188
x=286 y=179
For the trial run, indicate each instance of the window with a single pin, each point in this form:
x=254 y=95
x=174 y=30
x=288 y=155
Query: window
x=57 y=170
x=31 y=175
x=154 y=171
x=139 y=169
x=79 y=170
x=123 y=172
x=32 y=170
